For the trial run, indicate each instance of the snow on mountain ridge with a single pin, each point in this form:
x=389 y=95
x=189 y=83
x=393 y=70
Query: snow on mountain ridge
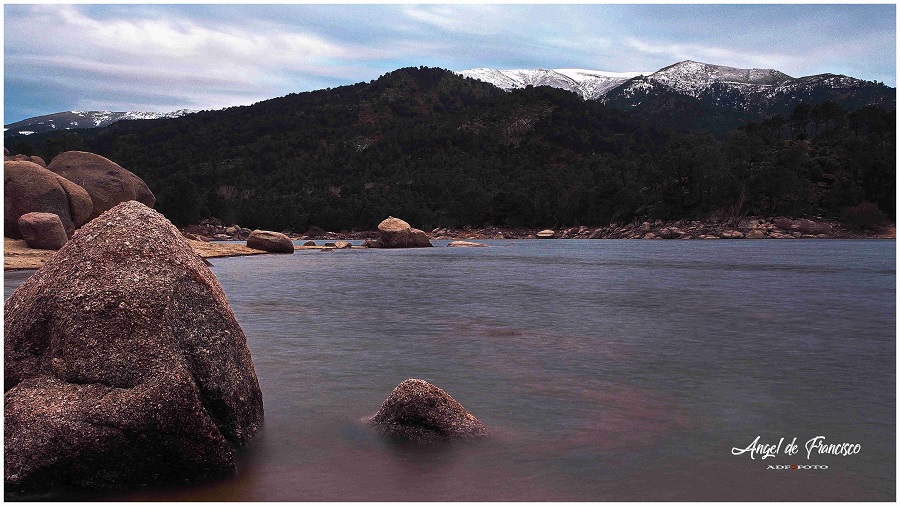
x=590 y=84
x=86 y=119
x=694 y=78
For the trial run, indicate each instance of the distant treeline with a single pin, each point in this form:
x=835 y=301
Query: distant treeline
x=440 y=150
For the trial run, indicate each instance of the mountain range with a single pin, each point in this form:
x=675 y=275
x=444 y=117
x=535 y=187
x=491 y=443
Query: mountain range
x=675 y=94
x=440 y=149
x=69 y=120
x=688 y=95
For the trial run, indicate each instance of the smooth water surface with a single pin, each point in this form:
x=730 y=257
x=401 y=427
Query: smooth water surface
x=604 y=370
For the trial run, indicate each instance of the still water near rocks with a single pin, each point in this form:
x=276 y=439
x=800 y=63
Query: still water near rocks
x=604 y=370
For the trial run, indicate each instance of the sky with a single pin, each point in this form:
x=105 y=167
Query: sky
x=137 y=57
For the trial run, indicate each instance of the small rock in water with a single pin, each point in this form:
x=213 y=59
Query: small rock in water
x=466 y=244
x=418 y=411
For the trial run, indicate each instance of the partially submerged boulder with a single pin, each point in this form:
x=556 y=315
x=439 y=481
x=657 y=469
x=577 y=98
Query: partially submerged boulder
x=42 y=230
x=105 y=181
x=28 y=187
x=343 y=245
x=418 y=411
x=273 y=242
x=396 y=233
x=124 y=364
x=466 y=244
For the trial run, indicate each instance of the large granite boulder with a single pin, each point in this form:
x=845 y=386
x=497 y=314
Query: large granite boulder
x=105 y=181
x=28 y=187
x=124 y=364
x=419 y=411
x=273 y=242
x=42 y=230
x=396 y=233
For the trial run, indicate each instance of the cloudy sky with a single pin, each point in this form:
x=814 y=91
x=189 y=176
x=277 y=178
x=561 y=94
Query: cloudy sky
x=168 y=57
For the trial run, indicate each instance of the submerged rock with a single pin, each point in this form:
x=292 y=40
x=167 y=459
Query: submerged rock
x=466 y=244
x=124 y=364
x=42 y=230
x=273 y=242
x=396 y=233
x=419 y=411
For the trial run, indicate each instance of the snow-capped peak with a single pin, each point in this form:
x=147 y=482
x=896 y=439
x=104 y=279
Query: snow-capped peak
x=692 y=78
x=86 y=119
x=590 y=84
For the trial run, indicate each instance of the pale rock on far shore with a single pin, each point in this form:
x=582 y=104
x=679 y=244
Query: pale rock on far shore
x=273 y=242
x=396 y=233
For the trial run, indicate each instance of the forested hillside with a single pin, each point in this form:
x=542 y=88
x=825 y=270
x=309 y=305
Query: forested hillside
x=441 y=150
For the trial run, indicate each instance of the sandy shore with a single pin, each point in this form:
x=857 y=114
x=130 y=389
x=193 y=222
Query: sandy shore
x=16 y=255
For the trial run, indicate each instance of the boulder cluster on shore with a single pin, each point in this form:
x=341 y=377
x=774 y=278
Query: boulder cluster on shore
x=751 y=227
x=76 y=187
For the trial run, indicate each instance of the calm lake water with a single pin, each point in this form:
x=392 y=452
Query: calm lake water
x=604 y=370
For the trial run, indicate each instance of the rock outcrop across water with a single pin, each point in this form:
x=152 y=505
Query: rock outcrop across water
x=418 y=411
x=396 y=233
x=273 y=242
x=28 y=187
x=124 y=364
x=105 y=181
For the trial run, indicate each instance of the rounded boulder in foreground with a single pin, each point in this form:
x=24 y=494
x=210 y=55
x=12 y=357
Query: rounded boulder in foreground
x=42 y=230
x=273 y=242
x=124 y=364
x=418 y=411
x=106 y=181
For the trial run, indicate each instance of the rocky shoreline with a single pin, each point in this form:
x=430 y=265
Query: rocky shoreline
x=17 y=255
x=752 y=227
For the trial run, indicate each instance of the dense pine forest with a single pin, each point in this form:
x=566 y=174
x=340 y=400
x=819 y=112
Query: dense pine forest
x=441 y=150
